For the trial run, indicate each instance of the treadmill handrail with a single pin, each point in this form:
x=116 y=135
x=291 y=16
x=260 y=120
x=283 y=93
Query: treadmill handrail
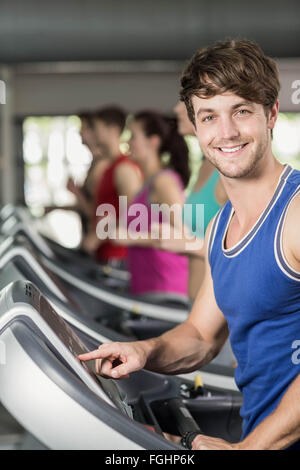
x=6 y=211
x=59 y=304
x=214 y=378
x=116 y=273
x=135 y=305
x=20 y=251
x=61 y=251
x=21 y=226
x=6 y=244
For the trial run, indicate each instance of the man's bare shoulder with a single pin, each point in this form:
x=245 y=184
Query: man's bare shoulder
x=291 y=232
x=293 y=212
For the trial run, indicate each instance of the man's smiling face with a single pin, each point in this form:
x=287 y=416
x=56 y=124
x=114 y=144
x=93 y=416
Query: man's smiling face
x=234 y=134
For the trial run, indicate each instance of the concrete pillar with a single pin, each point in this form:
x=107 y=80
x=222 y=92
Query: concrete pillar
x=7 y=189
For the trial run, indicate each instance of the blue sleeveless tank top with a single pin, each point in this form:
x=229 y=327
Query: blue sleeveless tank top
x=259 y=295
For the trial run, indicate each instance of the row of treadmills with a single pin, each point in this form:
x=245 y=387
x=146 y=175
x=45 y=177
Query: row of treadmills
x=56 y=303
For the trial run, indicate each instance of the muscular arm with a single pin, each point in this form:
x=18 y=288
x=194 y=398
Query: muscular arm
x=195 y=342
x=187 y=347
x=277 y=431
x=282 y=427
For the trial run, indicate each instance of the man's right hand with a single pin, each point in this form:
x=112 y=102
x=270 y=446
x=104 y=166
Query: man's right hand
x=117 y=360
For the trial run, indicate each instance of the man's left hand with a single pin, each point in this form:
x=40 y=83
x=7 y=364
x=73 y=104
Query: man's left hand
x=211 y=443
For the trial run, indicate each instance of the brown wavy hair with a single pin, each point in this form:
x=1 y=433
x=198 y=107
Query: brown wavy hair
x=237 y=66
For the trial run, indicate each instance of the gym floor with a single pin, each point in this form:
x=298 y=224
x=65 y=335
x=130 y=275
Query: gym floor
x=13 y=436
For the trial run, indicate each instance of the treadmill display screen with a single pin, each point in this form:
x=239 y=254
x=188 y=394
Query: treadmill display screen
x=76 y=347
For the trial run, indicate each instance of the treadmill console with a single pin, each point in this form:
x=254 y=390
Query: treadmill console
x=26 y=292
x=8 y=224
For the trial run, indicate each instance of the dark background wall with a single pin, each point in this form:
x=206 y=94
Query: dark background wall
x=42 y=30
x=59 y=56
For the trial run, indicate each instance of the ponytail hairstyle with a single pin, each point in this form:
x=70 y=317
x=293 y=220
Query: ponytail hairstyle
x=154 y=123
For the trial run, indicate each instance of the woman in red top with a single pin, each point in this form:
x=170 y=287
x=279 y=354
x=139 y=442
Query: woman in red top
x=122 y=177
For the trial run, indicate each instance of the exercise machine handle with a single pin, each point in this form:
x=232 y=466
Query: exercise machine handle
x=185 y=423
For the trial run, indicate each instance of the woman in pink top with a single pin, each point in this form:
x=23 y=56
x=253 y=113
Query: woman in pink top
x=156 y=273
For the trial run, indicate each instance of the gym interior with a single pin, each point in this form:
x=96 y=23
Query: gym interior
x=63 y=65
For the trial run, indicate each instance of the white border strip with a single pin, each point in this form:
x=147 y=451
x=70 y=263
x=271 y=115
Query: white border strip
x=19 y=251
x=213 y=232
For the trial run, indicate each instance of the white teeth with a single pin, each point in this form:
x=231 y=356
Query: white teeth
x=235 y=149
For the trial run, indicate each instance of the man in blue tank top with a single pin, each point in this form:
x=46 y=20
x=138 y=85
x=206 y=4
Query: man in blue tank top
x=251 y=288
